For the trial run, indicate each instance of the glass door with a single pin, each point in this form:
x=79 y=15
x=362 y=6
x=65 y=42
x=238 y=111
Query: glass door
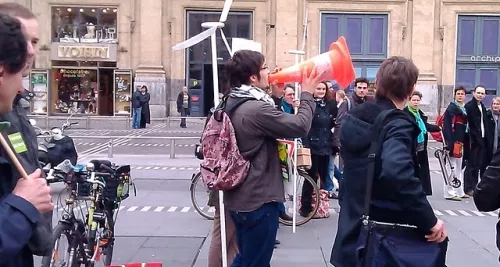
x=122 y=91
x=39 y=85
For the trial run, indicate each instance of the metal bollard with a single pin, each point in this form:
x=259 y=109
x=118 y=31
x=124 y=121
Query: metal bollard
x=172 y=148
x=110 y=148
x=87 y=123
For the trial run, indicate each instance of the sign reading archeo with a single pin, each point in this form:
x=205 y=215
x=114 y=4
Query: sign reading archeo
x=83 y=52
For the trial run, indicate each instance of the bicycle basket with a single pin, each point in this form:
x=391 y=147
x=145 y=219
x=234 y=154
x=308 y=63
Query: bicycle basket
x=117 y=187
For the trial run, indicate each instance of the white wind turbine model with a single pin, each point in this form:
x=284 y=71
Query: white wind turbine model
x=211 y=31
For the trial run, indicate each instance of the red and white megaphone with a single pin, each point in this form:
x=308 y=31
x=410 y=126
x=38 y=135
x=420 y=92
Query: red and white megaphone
x=336 y=62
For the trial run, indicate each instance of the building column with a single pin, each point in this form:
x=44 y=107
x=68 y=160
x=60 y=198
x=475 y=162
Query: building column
x=422 y=38
x=151 y=71
x=286 y=31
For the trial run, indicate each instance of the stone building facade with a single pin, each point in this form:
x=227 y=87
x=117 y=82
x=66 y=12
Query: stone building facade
x=89 y=59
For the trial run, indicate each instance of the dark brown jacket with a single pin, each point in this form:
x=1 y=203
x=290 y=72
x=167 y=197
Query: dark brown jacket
x=257 y=125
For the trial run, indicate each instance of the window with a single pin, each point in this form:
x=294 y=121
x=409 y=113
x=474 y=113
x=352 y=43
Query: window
x=199 y=59
x=366 y=37
x=75 y=90
x=238 y=24
x=478 y=54
x=365 y=69
x=84 y=24
x=478 y=39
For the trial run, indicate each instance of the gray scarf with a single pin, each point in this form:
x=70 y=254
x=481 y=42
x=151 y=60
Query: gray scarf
x=251 y=92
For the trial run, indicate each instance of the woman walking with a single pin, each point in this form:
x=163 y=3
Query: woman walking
x=422 y=158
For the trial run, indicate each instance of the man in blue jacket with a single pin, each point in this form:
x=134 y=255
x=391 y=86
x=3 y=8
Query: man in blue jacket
x=21 y=201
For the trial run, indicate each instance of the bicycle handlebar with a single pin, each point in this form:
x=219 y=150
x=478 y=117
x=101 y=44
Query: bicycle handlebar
x=93 y=180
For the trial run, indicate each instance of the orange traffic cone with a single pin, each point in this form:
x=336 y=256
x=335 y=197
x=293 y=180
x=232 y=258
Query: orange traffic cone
x=336 y=62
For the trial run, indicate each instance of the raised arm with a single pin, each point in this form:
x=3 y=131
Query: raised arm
x=277 y=124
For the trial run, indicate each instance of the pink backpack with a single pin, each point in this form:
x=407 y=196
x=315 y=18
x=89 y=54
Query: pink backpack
x=223 y=167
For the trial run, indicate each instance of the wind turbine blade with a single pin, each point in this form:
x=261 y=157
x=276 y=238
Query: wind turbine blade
x=225 y=10
x=225 y=42
x=195 y=39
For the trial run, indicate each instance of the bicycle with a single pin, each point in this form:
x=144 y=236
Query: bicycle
x=88 y=240
x=302 y=176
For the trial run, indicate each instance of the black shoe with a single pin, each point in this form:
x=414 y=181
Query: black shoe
x=284 y=216
x=277 y=242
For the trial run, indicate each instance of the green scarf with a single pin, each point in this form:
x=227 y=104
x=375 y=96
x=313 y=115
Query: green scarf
x=420 y=122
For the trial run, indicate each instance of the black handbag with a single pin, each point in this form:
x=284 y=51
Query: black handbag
x=388 y=244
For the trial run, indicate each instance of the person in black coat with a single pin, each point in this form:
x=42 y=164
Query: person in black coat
x=397 y=195
x=145 y=112
x=184 y=105
x=479 y=139
x=319 y=141
x=422 y=157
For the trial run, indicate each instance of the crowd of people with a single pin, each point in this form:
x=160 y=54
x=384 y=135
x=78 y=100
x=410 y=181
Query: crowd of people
x=333 y=124
x=387 y=156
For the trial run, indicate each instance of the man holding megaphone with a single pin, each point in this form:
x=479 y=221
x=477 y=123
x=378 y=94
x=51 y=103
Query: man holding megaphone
x=254 y=204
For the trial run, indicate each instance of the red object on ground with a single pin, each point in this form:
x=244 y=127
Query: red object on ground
x=150 y=264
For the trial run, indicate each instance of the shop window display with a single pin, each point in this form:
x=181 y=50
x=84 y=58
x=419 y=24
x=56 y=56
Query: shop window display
x=85 y=24
x=75 y=91
x=39 y=86
x=123 y=92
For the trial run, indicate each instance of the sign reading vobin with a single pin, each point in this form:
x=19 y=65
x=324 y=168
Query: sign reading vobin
x=83 y=52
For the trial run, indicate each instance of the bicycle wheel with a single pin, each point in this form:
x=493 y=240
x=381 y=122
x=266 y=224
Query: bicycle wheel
x=107 y=240
x=61 y=230
x=199 y=195
x=302 y=178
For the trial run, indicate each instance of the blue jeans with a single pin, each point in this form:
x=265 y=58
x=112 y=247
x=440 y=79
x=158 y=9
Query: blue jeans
x=256 y=232
x=333 y=171
x=136 y=117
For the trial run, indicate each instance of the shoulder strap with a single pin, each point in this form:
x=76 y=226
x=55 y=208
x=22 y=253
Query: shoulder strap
x=231 y=108
x=372 y=154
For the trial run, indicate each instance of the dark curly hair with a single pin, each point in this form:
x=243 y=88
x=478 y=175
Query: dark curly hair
x=241 y=66
x=13 y=47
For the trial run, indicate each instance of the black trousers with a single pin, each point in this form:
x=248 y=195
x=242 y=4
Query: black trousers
x=319 y=167
x=476 y=165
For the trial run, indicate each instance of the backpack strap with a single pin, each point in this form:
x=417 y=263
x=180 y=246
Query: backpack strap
x=380 y=122
x=216 y=111
x=231 y=108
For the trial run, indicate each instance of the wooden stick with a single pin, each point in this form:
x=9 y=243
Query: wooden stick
x=13 y=157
